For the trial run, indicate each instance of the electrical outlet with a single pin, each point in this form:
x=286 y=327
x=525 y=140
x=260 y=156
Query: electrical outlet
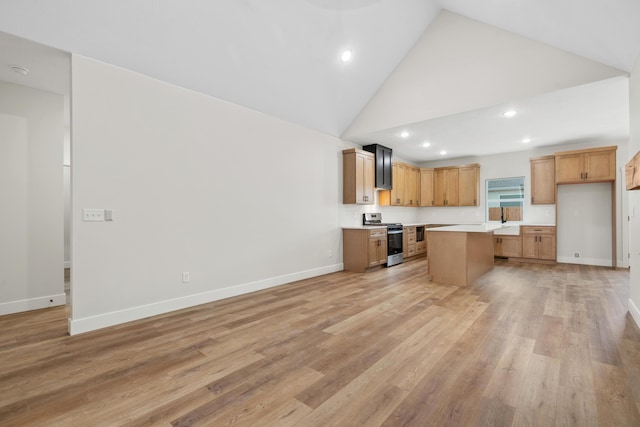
x=93 y=214
x=576 y=254
x=186 y=277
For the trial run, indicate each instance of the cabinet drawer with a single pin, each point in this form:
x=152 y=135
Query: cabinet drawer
x=410 y=231
x=528 y=229
x=382 y=232
x=411 y=239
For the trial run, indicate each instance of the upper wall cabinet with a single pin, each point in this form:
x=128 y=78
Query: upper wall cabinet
x=358 y=177
x=445 y=186
x=405 y=190
x=457 y=186
x=543 y=180
x=469 y=185
x=632 y=173
x=592 y=165
x=426 y=187
x=411 y=182
x=384 y=177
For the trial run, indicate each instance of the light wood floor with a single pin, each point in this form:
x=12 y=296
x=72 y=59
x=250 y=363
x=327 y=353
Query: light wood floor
x=528 y=344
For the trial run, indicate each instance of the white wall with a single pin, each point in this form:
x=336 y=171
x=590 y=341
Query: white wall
x=517 y=164
x=634 y=196
x=66 y=176
x=584 y=224
x=241 y=200
x=31 y=232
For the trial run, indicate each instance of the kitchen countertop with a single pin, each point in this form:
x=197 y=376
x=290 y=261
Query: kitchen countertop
x=447 y=227
x=468 y=228
x=364 y=227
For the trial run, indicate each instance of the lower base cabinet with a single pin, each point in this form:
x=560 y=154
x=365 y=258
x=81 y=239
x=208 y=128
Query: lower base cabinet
x=534 y=242
x=539 y=242
x=508 y=246
x=364 y=248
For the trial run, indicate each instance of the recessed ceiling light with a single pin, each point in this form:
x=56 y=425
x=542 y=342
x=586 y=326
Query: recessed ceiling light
x=526 y=140
x=404 y=134
x=426 y=144
x=443 y=152
x=346 y=55
x=510 y=113
x=20 y=70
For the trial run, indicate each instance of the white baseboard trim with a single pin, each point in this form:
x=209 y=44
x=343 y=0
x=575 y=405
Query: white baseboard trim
x=19 y=306
x=585 y=261
x=91 y=323
x=635 y=313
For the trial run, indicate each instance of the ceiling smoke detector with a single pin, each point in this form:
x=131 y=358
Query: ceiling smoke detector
x=20 y=70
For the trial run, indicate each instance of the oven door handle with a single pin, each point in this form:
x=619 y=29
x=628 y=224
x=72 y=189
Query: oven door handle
x=394 y=232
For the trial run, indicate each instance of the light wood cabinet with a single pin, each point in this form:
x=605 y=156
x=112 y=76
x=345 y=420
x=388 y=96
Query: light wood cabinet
x=469 y=185
x=632 y=173
x=543 y=180
x=426 y=187
x=446 y=186
x=397 y=191
x=411 y=177
x=358 y=177
x=409 y=242
x=456 y=186
x=406 y=187
x=539 y=242
x=364 y=248
x=508 y=246
x=592 y=165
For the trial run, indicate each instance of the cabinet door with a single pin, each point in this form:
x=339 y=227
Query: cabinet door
x=453 y=180
x=469 y=186
x=569 y=168
x=547 y=247
x=358 y=176
x=397 y=192
x=440 y=187
x=410 y=187
x=530 y=246
x=368 y=176
x=382 y=251
x=543 y=181
x=373 y=250
x=511 y=246
x=632 y=173
x=426 y=187
x=497 y=249
x=600 y=166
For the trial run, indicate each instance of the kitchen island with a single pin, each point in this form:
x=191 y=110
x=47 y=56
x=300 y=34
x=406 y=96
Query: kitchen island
x=459 y=254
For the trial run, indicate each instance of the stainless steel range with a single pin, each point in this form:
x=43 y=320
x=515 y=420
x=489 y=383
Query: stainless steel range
x=394 y=237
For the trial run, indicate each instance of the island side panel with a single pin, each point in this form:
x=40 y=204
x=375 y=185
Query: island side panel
x=479 y=255
x=447 y=257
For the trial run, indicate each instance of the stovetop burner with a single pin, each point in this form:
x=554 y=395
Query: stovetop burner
x=375 y=219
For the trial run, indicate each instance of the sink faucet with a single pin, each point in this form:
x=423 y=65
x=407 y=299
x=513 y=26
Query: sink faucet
x=502 y=215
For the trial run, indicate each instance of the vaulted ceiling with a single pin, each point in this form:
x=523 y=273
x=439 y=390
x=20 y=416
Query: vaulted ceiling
x=282 y=57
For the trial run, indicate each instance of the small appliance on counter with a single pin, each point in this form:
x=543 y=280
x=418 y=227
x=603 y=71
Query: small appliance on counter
x=394 y=236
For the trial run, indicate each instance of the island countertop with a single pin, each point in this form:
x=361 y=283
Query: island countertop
x=468 y=228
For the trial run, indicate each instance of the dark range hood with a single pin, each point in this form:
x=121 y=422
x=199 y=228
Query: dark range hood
x=383 y=165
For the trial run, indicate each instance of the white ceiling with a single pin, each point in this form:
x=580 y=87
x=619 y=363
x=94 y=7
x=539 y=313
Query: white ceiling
x=281 y=57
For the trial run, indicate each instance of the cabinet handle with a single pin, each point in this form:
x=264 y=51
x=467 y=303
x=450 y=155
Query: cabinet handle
x=586 y=175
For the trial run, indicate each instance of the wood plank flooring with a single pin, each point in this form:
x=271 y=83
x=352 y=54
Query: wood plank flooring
x=527 y=345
